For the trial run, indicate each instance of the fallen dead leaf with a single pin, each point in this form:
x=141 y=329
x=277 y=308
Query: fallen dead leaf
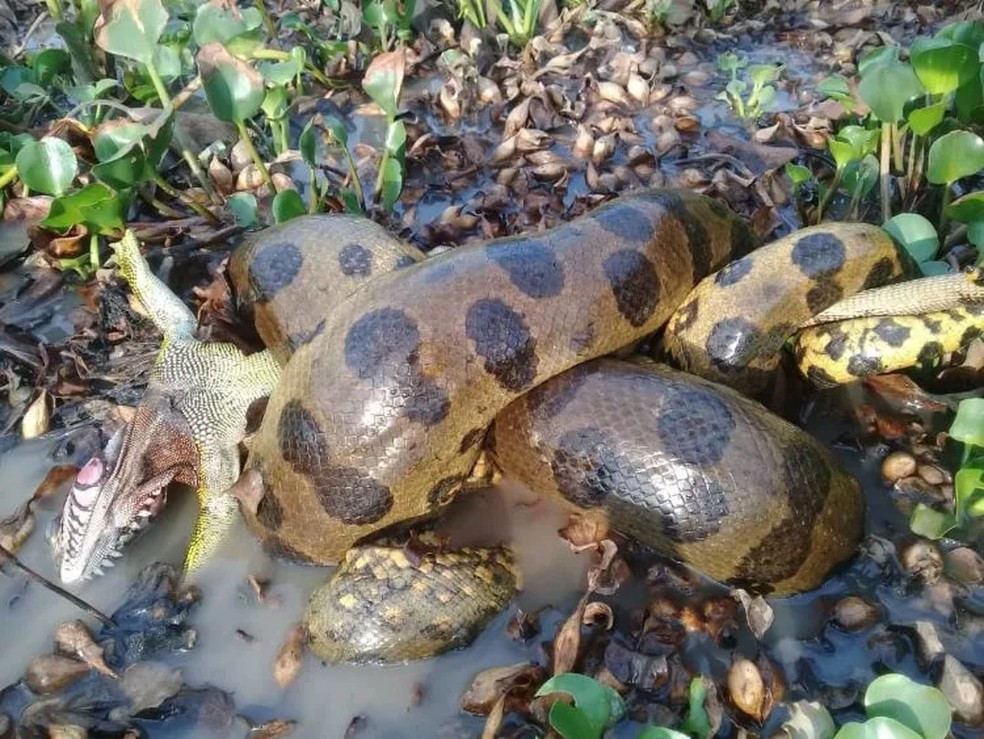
x=746 y=688
x=494 y=721
x=17 y=527
x=50 y=673
x=37 y=417
x=57 y=476
x=567 y=643
x=758 y=613
x=272 y=729
x=74 y=639
x=287 y=664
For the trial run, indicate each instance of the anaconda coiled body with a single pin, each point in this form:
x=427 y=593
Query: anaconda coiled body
x=690 y=467
x=380 y=417
x=778 y=288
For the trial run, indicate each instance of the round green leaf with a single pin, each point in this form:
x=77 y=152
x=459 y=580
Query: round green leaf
x=921 y=708
x=968 y=485
x=215 y=23
x=384 y=80
x=287 y=204
x=49 y=63
x=931 y=523
x=968 y=33
x=879 y=55
x=835 y=86
x=244 y=207
x=968 y=208
x=935 y=267
x=880 y=727
x=861 y=176
x=571 y=723
x=798 y=173
x=886 y=87
x=130 y=28
x=96 y=206
x=942 y=65
x=595 y=700
x=233 y=88
x=280 y=73
x=975 y=234
x=968 y=425
x=808 y=720
x=915 y=233
x=924 y=120
x=307 y=142
x=955 y=155
x=392 y=183
x=47 y=166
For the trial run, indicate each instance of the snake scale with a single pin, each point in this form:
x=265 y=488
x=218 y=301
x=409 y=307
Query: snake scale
x=393 y=369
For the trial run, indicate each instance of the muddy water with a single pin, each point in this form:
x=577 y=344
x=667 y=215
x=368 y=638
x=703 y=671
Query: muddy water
x=239 y=638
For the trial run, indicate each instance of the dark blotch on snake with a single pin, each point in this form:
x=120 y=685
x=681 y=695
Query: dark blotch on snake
x=686 y=316
x=275 y=267
x=861 y=366
x=269 y=512
x=355 y=259
x=824 y=293
x=820 y=377
x=806 y=478
x=930 y=354
x=502 y=339
x=531 y=266
x=345 y=493
x=695 y=426
x=444 y=491
x=731 y=343
x=583 y=464
x=624 y=221
x=892 y=332
x=427 y=402
x=819 y=254
x=473 y=438
x=275 y=547
x=382 y=337
x=838 y=343
x=634 y=284
x=880 y=273
x=732 y=273
x=971 y=333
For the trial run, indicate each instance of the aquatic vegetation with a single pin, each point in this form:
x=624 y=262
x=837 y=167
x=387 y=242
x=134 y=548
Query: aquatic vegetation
x=748 y=101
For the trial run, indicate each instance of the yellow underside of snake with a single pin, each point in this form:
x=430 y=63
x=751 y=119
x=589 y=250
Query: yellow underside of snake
x=397 y=366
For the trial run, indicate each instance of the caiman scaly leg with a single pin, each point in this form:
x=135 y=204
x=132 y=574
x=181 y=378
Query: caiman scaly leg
x=187 y=428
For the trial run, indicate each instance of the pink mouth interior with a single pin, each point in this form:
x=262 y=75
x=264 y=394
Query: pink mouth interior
x=91 y=473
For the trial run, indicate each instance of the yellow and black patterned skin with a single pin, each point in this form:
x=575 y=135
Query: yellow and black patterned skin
x=380 y=417
x=732 y=327
x=385 y=605
x=914 y=324
x=691 y=468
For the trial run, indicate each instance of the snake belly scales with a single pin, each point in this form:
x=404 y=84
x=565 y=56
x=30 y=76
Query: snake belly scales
x=398 y=370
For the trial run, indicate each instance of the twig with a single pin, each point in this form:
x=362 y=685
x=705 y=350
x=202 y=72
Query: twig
x=7 y=556
x=19 y=49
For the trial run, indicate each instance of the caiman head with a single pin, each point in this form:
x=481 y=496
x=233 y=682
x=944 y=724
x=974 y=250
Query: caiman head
x=119 y=492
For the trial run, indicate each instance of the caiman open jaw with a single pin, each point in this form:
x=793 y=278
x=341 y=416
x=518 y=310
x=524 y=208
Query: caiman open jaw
x=117 y=494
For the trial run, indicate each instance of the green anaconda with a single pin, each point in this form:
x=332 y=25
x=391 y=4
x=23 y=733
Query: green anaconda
x=387 y=371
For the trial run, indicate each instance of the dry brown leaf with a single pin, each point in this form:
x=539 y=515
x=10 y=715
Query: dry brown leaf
x=758 y=613
x=287 y=664
x=517 y=681
x=597 y=613
x=37 y=417
x=16 y=528
x=272 y=729
x=53 y=481
x=494 y=721
x=584 y=530
x=50 y=673
x=746 y=688
x=567 y=643
x=74 y=639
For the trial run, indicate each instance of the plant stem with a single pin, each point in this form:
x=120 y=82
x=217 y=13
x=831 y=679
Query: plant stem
x=55 y=9
x=380 y=175
x=947 y=197
x=271 y=27
x=94 y=252
x=313 y=191
x=184 y=199
x=827 y=196
x=7 y=556
x=158 y=83
x=897 y=152
x=7 y=177
x=886 y=174
x=255 y=155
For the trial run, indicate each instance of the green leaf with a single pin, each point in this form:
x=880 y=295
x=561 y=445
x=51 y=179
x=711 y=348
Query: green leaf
x=835 y=86
x=954 y=155
x=969 y=33
x=860 y=176
x=287 y=204
x=943 y=65
x=392 y=183
x=233 y=88
x=924 y=120
x=968 y=425
x=244 y=207
x=880 y=727
x=915 y=233
x=975 y=234
x=384 y=80
x=934 y=268
x=760 y=74
x=968 y=208
x=879 y=55
x=235 y=30
x=697 y=722
x=337 y=129
x=968 y=486
x=307 y=142
x=47 y=166
x=128 y=169
x=571 y=723
x=661 y=732
x=593 y=698
x=49 y=63
x=130 y=28
x=930 y=523
x=808 y=720
x=13 y=77
x=98 y=207
x=167 y=61
x=798 y=173
x=886 y=88
x=275 y=103
x=921 y=708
